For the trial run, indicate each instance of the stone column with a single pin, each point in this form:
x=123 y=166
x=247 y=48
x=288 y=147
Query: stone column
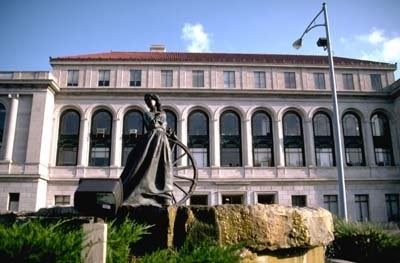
x=116 y=143
x=278 y=143
x=182 y=126
x=309 y=146
x=84 y=142
x=247 y=144
x=215 y=144
x=11 y=127
x=368 y=143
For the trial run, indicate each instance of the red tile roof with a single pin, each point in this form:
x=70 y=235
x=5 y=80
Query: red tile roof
x=217 y=57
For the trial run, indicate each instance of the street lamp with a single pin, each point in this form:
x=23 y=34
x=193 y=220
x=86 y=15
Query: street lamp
x=326 y=43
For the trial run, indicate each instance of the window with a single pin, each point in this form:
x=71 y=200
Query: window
x=232 y=199
x=133 y=129
x=136 y=78
x=230 y=139
x=290 y=80
x=392 y=207
x=353 y=140
x=376 y=81
x=362 y=207
x=262 y=139
x=62 y=200
x=198 y=78
x=259 y=80
x=68 y=138
x=166 y=78
x=13 y=202
x=104 y=78
x=198 y=137
x=323 y=140
x=293 y=140
x=382 y=140
x=73 y=76
x=229 y=79
x=331 y=203
x=319 y=80
x=267 y=199
x=100 y=138
x=2 y=123
x=199 y=199
x=172 y=126
x=299 y=200
x=348 y=83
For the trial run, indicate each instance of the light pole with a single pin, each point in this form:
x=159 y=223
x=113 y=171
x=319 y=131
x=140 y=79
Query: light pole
x=326 y=43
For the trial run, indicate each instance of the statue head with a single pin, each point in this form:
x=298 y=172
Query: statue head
x=152 y=100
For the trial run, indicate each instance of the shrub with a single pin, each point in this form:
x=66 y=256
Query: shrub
x=34 y=241
x=120 y=237
x=363 y=242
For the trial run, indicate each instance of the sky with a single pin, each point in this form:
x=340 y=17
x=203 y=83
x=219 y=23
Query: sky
x=33 y=30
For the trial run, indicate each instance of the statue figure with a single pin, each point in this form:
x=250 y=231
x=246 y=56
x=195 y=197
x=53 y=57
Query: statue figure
x=147 y=176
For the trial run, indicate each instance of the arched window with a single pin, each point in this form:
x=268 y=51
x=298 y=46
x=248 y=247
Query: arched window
x=133 y=129
x=171 y=120
x=100 y=138
x=353 y=140
x=198 y=137
x=382 y=140
x=263 y=154
x=2 y=123
x=68 y=138
x=323 y=140
x=293 y=140
x=231 y=144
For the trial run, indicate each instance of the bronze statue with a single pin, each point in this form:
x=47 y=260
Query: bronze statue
x=147 y=176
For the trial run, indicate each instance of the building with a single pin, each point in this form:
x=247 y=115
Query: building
x=259 y=126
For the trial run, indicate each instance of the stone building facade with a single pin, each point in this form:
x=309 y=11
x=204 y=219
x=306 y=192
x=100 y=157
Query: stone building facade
x=259 y=126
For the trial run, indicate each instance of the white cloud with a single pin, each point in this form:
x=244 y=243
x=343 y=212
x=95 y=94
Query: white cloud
x=374 y=37
x=198 y=40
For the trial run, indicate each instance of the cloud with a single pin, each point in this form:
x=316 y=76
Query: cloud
x=197 y=40
x=374 y=37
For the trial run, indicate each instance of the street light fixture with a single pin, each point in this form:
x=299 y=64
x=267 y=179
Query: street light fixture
x=325 y=42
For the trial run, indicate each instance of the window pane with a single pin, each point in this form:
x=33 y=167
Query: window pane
x=73 y=76
x=198 y=138
x=261 y=124
x=331 y=203
x=68 y=138
x=292 y=125
x=198 y=78
x=100 y=138
x=324 y=157
x=319 y=80
x=376 y=81
x=104 y=78
x=348 y=83
x=362 y=207
x=322 y=125
x=350 y=125
x=230 y=124
x=232 y=199
x=392 y=207
x=294 y=157
x=133 y=129
x=2 y=123
x=290 y=80
x=229 y=79
x=259 y=80
x=299 y=200
x=13 y=202
x=136 y=78
x=354 y=157
x=263 y=157
x=62 y=200
x=166 y=78
x=201 y=156
x=199 y=199
x=267 y=199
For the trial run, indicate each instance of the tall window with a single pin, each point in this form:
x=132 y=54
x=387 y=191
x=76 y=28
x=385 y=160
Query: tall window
x=290 y=80
x=362 y=207
x=323 y=140
x=382 y=140
x=376 y=81
x=353 y=140
x=133 y=129
x=229 y=79
x=172 y=126
x=293 y=140
x=392 y=207
x=100 y=138
x=68 y=138
x=231 y=143
x=198 y=78
x=348 y=83
x=319 y=80
x=331 y=203
x=198 y=137
x=263 y=154
x=13 y=202
x=136 y=78
x=104 y=78
x=166 y=78
x=73 y=77
x=259 y=80
x=2 y=123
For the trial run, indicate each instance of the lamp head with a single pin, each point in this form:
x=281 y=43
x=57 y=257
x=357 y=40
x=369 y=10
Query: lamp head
x=322 y=42
x=297 y=43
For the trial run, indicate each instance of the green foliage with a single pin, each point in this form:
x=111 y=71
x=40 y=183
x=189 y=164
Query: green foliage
x=206 y=251
x=120 y=237
x=34 y=241
x=363 y=242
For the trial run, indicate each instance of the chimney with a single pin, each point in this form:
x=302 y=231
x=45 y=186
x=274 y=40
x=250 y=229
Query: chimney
x=157 y=48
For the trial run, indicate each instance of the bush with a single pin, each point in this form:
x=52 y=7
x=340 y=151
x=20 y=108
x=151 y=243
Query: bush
x=363 y=242
x=120 y=237
x=34 y=241
x=206 y=251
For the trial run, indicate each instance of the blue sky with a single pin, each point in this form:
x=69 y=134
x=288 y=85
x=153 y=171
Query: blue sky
x=33 y=30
